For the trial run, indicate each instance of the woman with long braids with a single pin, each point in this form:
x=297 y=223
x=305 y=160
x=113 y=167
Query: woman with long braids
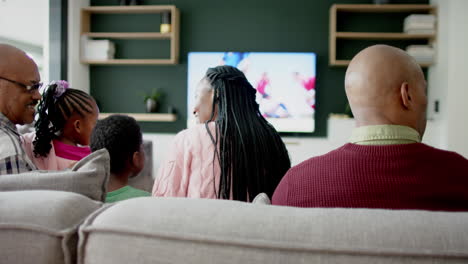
x=233 y=154
x=66 y=118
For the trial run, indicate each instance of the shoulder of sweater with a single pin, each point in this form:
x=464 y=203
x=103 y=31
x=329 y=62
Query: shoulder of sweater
x=446 y=153
x=315 y=160
x=194 y=135
x=436 y=151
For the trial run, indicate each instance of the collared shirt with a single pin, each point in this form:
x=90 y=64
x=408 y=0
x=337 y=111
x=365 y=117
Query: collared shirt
x=13 y=158
x=384 y=135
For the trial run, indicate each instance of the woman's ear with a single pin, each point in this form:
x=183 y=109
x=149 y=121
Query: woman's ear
x=405 y=95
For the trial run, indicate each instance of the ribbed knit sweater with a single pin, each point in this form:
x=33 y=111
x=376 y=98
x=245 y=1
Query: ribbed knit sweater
x=408 y=176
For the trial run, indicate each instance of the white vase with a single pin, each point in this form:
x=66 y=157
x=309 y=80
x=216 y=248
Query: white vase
x=151 y=106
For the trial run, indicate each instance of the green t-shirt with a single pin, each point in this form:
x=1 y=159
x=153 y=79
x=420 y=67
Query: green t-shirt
x=125 y=193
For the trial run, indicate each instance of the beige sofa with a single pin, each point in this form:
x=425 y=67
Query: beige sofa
x=51 y=226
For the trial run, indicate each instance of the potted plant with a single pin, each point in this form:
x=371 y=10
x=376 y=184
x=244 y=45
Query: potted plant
x=152 y=101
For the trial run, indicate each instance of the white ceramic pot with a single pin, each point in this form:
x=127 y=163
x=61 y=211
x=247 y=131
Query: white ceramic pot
x=151 y=106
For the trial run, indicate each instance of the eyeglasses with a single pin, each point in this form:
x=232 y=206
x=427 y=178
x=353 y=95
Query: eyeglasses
x=29 y=88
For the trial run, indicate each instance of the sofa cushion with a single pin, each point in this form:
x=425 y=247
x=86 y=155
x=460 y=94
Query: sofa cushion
x=41 y=226
x=178 y=230
x=261 y=198
x=88 y=177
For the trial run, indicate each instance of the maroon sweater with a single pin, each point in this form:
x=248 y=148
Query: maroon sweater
x=409 y=176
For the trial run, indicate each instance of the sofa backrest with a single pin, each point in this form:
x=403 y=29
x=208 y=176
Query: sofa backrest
x=41 y=226
x=178 y=230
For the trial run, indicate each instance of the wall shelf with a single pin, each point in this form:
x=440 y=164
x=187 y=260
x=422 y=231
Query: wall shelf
x=381 y=35
x=142 y=117
x=335 y=35
x=386 y=8
x=140 y=9
x=130 y=62
x=172 y=36
x=346 y=63
x=128 y=35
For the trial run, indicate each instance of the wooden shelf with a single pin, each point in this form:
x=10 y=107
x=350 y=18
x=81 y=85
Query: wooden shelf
x=145 y=117
x=128 y=35
x=346 y=63
x=172 y=36
x=141 y=9
x=382 y=8
x=130 y=62
x=381 y=35
x=334 y=35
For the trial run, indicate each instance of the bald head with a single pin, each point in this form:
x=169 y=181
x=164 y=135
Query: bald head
x=385 y=85
x=15 y=64
x=17 y=71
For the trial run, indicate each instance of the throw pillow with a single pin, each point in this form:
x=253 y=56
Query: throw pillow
x=261 y=198
x=88 y=177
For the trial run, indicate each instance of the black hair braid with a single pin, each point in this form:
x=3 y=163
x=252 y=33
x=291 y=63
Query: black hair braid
x=44 y=131
x=54 y=112
x=252 y=156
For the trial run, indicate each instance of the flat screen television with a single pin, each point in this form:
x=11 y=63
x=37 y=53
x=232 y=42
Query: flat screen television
x=285 y=84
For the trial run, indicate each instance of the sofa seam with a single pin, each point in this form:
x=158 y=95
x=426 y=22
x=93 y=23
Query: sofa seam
x=268 y=245
x=82 y=236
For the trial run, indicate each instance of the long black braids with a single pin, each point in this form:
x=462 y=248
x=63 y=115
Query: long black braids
x=54 y=109
x=251 y=155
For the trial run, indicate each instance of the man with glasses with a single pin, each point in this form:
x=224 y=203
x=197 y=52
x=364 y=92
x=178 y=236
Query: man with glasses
x=19 y=95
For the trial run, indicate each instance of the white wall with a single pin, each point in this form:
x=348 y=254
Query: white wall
x=448 y=78
x=78 y=74
x=28 y=27
x=24 y=20
x=457 y=92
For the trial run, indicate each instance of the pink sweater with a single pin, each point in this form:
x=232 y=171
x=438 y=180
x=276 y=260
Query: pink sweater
x=61 y=156
x=188 y=170
x=409 y=176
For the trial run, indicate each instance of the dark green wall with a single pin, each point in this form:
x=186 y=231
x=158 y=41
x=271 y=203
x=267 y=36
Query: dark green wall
x=220 y=25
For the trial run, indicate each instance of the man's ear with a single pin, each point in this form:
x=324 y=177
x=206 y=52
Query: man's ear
x=405 y=95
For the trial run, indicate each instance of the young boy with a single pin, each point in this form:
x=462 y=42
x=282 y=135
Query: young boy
x=121 y=136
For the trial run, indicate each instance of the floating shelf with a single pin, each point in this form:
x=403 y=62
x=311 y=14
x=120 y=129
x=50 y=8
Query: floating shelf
x=346 y=63
x=130 y=62
x=128 y=35
x=172 y=36
x=338 y=9
x=141 y=9
x=145 y=117
x=391 y=8
x=381 y=35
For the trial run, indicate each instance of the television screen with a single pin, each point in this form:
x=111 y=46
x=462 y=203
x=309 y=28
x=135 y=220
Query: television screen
x=285 y=84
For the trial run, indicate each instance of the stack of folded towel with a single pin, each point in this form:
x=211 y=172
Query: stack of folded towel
x=419 y=24
x=423 y=54
x=98 y=49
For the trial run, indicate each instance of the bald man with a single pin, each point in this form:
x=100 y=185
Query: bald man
x=19 y=94
x=384 y=165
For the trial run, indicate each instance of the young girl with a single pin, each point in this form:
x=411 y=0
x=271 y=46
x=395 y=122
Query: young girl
x=66 y=118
